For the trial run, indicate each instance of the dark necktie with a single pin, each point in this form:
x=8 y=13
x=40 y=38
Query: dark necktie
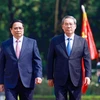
x=69 y=46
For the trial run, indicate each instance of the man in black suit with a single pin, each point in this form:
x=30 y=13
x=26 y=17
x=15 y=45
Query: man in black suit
x=64 y=68
x=20 y=64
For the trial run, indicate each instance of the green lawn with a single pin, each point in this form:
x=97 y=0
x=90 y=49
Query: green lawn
x=84 y=97
x=92 y=97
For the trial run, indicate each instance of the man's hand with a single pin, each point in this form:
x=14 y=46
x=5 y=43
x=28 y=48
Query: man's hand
x=2 y=88
x=51 y=83
x=87 y=81
x=38 y=80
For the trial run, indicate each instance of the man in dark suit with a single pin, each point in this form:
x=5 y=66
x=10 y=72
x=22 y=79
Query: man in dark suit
x=64 y=68
x=20 y=64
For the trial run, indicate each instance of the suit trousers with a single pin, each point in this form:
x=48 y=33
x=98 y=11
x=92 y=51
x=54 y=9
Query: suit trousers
x=21 y=91
x=67 y=91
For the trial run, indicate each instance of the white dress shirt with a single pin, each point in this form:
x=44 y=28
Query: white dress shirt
x=20 y=43
x=71 y=41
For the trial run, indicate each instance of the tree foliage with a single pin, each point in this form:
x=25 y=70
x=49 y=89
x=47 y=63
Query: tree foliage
x=39 y=19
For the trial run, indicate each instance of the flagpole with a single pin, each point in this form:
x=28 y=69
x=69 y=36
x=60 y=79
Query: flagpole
x=83 y=8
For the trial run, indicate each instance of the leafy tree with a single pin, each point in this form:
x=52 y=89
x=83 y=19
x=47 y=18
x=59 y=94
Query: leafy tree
x=42 y=19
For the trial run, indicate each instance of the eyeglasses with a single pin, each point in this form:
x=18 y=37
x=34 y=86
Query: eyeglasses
x=69 y=24
x=16 y=28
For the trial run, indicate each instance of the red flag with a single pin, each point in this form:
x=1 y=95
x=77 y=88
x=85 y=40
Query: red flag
x=87 y=34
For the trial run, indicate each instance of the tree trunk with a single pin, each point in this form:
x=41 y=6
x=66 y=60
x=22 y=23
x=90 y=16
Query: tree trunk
x=56 y=16
x=81 y=3
x=10 y=12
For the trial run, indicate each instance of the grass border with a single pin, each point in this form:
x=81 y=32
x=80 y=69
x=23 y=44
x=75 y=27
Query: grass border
x=52 y=96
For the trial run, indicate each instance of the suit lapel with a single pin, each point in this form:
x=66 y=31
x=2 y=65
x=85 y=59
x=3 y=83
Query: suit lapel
x=23 y=48
x=62 y=44
x=11 y=48
x=74 y=47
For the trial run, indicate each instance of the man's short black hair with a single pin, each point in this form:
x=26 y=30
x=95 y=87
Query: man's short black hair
x=15 y=20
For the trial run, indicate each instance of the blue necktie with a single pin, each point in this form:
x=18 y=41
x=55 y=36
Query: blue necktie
x=69 y=46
